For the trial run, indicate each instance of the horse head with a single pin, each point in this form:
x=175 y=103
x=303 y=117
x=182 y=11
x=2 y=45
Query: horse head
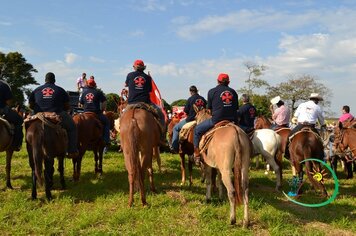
x=202 y=114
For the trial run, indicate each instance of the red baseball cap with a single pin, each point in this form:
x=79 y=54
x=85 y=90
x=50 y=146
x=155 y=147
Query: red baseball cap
x=91 y=83
x=223 y=77
x=139 y=63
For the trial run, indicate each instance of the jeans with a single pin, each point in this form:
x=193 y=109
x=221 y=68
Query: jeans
x=106 y=127
x=175 y=136
x=200 y=130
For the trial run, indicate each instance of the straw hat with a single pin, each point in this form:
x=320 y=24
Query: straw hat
x=316 y=96
x=275 y=100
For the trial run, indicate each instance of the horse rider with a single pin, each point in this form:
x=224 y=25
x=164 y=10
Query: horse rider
x=10 y=115
x=140 y=85
x=345 y=114
x=307 y=114
x=246 y=114
x=223 y=103
x=280 y=115
x=194 y=99
x=51 y=98
x=94 y=100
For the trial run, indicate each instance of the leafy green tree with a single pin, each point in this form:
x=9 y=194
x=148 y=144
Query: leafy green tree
x=167 y=107
x=253 y=81
x=15 y=70
x=298 y=89
x=180 y=102
x=262 y=103
x=111 y=100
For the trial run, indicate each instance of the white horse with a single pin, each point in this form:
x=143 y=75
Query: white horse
x=268 y=143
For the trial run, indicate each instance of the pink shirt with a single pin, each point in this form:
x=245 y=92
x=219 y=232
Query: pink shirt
x=346 y=116
x=281 y=115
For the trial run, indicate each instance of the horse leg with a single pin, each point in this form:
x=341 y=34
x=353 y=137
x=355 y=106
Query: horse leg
x=96 y=160
x=317 y=185
x=349 y=170
x=142 y=186
x=226 y=178
x=61 y=171
x=208 y=170
x=182 y=169
x=220 y=185
x=34 y=185
x=157 y=156
x=271 y=161
x=48 y=172
x=8 y=168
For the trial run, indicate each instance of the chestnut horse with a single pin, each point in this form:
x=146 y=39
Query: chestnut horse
x=5 y=146
x=45 y=140
x=345 y=140
x=229 y=151
x=306 y=144
x=90 y=137
x=139 y=133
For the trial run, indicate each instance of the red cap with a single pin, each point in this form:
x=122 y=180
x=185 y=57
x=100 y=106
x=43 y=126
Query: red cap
x=139 y=63
x=223 y=77
x=91 y=83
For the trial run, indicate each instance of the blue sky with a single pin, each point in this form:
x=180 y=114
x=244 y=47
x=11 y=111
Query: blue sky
x=186 y=42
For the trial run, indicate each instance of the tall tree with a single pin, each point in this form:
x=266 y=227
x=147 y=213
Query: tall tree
x=253 y=81
x=298 y=89
x=17 y=73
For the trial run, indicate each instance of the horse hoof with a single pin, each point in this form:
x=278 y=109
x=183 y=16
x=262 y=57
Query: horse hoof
x=9 y=186
x=233 y=221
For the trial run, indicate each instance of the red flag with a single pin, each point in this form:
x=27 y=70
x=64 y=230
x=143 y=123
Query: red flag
x=156 y=98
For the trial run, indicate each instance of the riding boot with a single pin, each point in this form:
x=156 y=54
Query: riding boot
x=197 y=156
x=18 y=137
x=286 y=152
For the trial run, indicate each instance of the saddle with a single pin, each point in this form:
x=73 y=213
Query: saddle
x=50 y=119
x=306 y=129
x=184 y=132
x=206 y=139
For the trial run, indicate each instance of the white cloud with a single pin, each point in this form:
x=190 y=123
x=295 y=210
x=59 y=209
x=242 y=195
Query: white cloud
x=137 y=33
x=96 y=59
x=70 y=58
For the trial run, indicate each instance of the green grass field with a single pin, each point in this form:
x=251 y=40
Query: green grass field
x=98 y=205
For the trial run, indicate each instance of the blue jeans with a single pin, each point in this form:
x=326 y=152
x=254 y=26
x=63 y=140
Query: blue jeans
x=200 y=130
x=106 y=127
x=175 y=136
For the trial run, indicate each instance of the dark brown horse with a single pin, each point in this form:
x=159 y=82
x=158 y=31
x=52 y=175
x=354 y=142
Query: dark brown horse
x=306 y=145
x=90 y=137
x=45 y=140
x=229 y=151
x=139 y=134
x=5 y=146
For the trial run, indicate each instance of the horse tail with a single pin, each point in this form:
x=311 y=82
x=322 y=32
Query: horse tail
x=238 y=169
x=37 y=152
x=132 y=141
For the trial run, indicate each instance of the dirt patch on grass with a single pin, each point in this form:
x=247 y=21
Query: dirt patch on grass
x=327 y=229
x=177 y=196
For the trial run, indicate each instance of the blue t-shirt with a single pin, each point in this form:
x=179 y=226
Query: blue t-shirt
x=49 y=97
x=197 y=100
x=223 y=102
x=91 y=99
x=247 y=115
x=5 y=93
x=140 y=86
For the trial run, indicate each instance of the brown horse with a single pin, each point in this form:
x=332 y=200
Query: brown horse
x=45 y=140
x=305 y=145
x=345 y=140
x=112 y=116
x=5 y=146
x=229 y=151
x=90 y=137
x=175 y=120
x=139 y=134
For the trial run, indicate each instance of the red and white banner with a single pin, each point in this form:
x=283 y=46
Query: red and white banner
x=156 y=98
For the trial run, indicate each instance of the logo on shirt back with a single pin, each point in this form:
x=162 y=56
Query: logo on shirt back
x=199 y=102
x=89 y=97
x=47 y=92
x=226 y=97
x=139 y=82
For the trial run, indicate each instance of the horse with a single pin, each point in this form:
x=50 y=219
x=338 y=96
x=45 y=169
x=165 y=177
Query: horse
x=139 y=134
x=112 y=116
x=229 y=151
x=45 y=140
x=268 y=143
x=262 y=122
x=306 y=144
x=175 y=120
x=5 y=146
x=344 y=143
x=90 y=137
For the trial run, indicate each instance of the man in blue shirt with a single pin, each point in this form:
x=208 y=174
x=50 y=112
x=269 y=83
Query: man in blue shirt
x=194 y=99
x=52 y=98
x=11 y=116
x=223 y=103
x=93 y=100
x=246 y=115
